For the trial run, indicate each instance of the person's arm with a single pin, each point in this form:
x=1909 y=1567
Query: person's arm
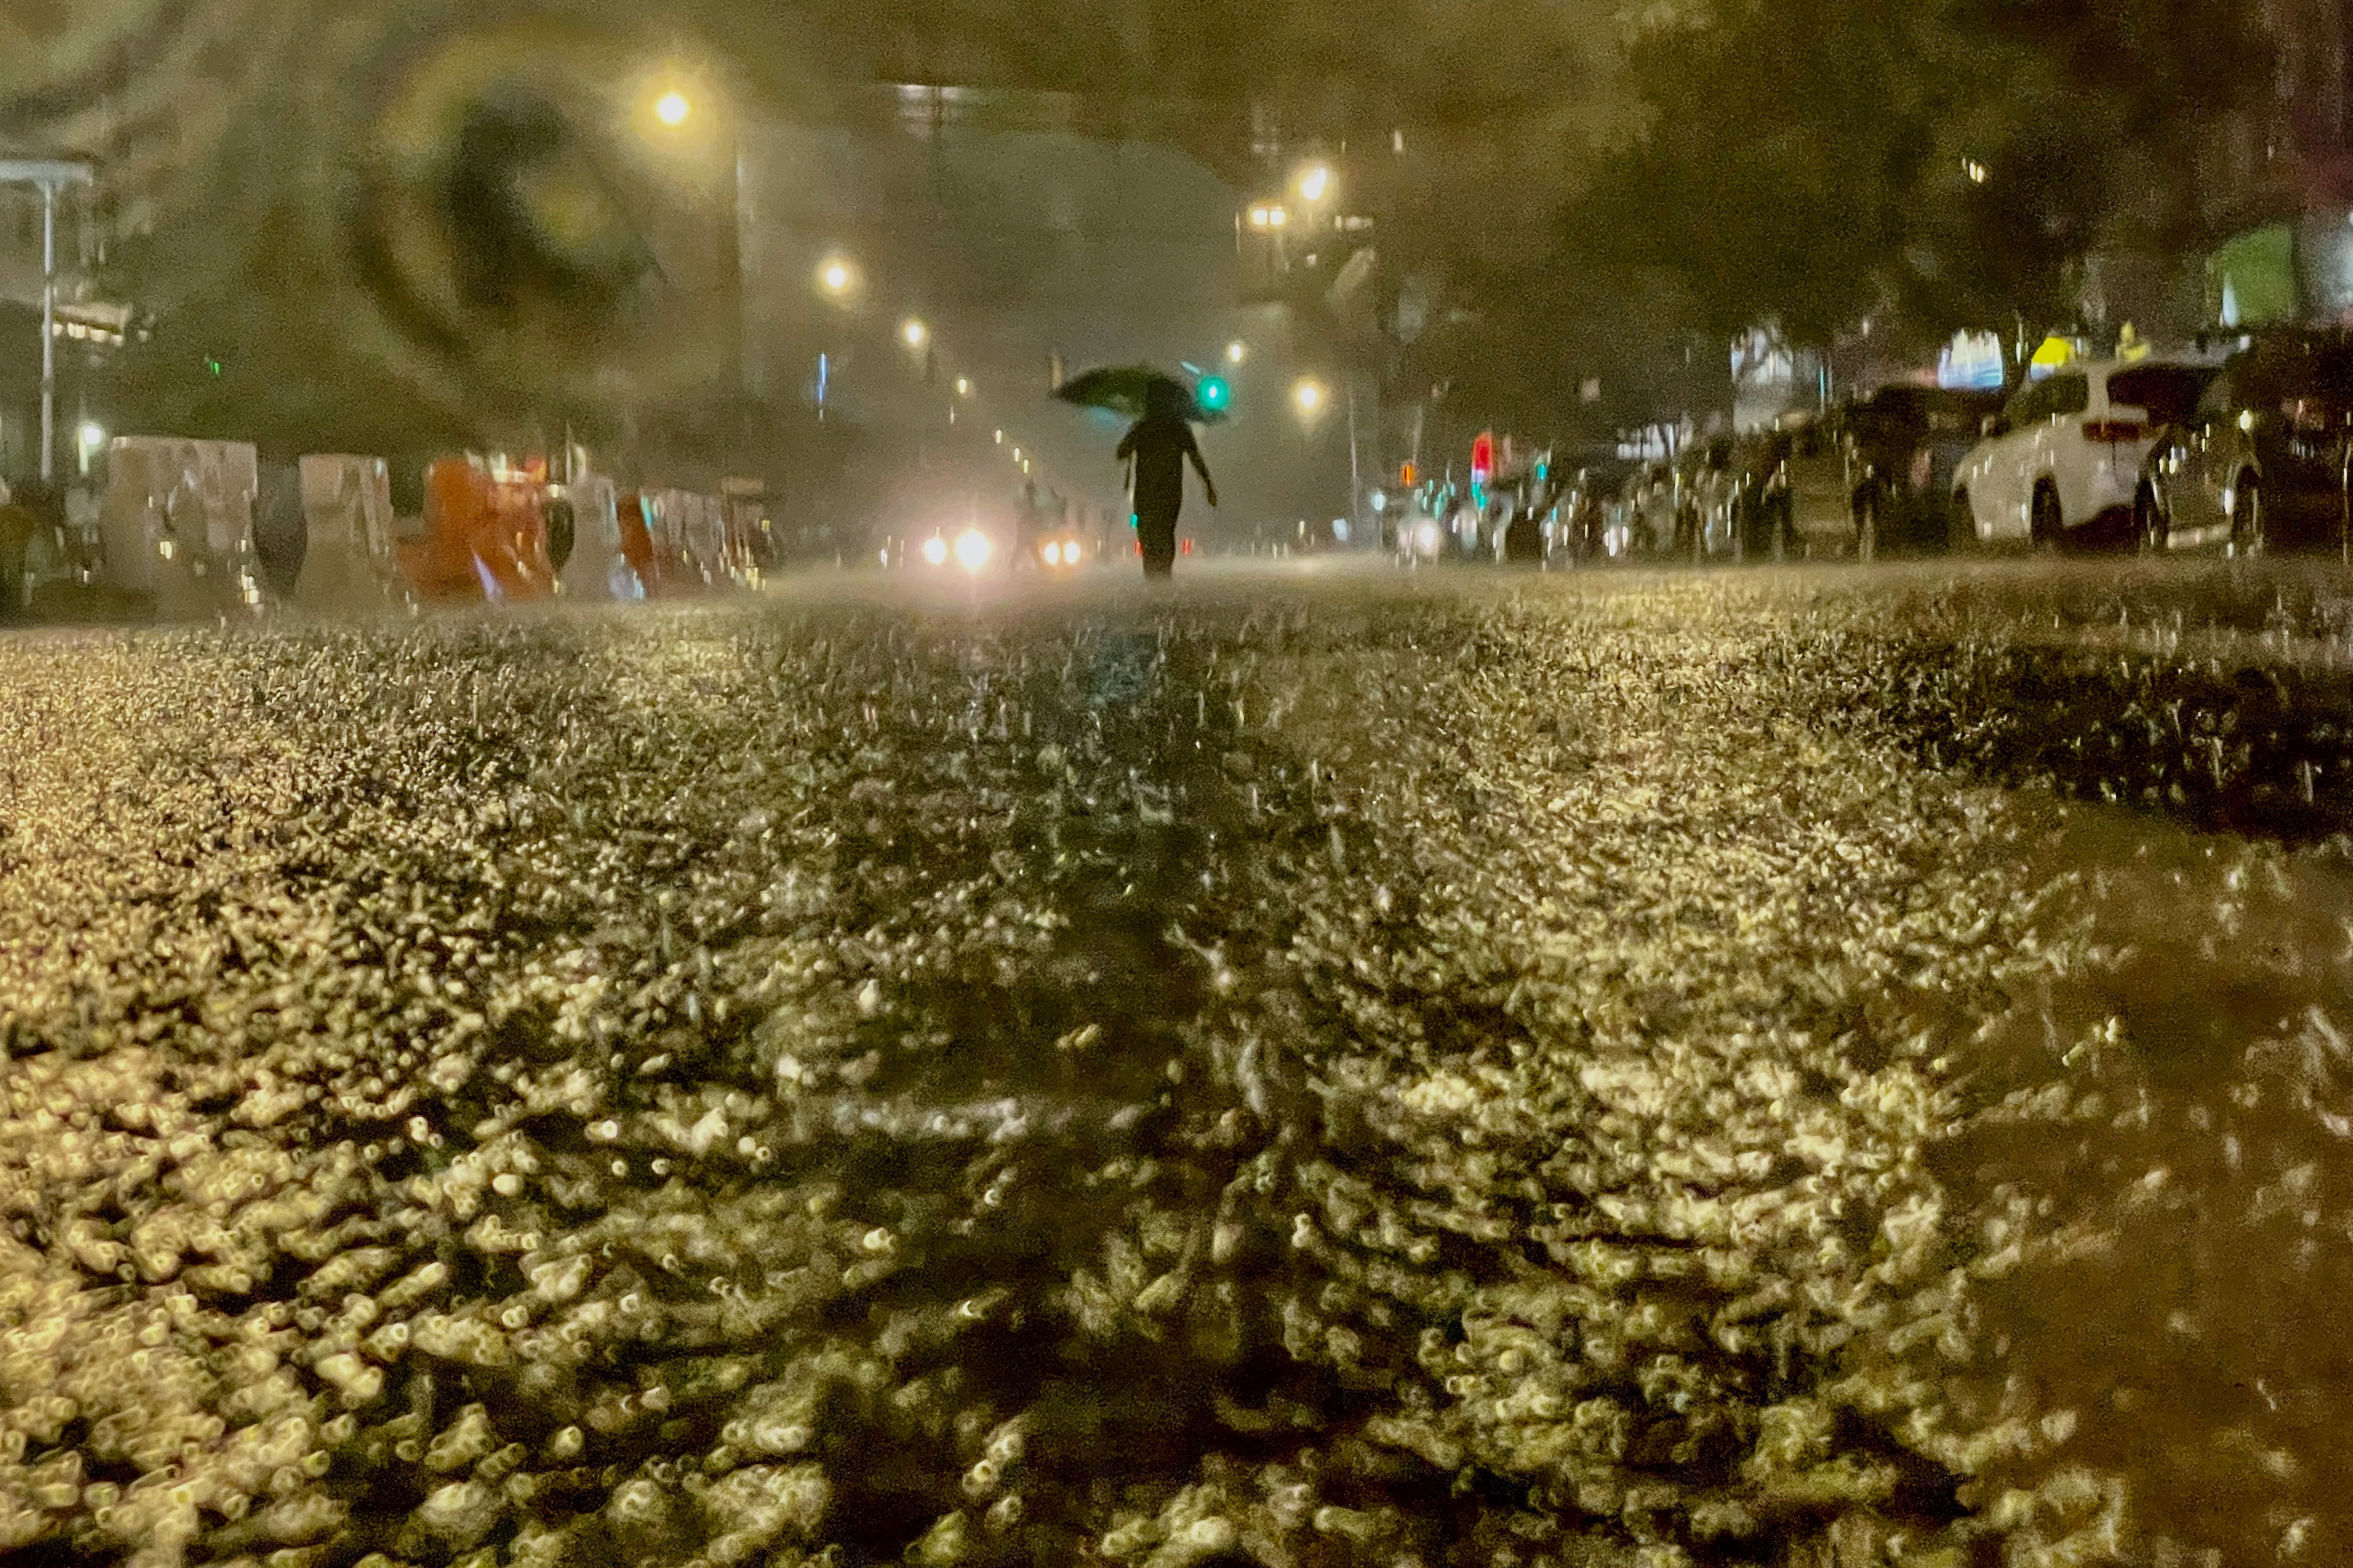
x=1127 y=444
x=1193 y=451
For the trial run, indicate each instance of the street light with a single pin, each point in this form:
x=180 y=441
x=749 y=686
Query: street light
x=673 y=109
x=1237 y=352
x=837 y=276
x=48 y=176
x=964 y=386
x=1315 y=182
x=1309 y=396
x=913 y=334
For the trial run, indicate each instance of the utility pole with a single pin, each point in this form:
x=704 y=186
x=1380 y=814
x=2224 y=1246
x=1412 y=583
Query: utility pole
x=51 y=176
x=1355 y=469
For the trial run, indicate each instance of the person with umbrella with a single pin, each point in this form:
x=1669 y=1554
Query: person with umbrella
x=1157 y=450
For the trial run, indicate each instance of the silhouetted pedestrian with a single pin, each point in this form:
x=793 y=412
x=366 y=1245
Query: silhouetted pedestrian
x=1158 y=447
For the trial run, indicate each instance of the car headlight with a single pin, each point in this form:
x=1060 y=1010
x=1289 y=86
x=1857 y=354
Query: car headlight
x=935 y=551
x=972 y=549
x=1430 y=537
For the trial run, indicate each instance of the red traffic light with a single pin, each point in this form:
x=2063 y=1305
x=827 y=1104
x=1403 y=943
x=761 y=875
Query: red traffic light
x=1482 y=458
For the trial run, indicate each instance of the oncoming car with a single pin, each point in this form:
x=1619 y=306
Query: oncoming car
x=1062 y=551
x=969 y=549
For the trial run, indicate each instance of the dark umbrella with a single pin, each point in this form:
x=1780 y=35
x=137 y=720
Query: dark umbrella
x=1134 y=390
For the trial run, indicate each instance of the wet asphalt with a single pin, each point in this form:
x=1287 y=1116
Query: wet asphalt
x=1810 y=1067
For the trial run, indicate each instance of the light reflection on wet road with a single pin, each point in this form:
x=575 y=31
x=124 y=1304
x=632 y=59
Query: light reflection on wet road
x=1731 y=1068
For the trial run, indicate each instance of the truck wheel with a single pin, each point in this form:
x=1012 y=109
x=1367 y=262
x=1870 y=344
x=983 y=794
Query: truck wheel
x=2249 y=535
x=1961 y=526
x=2149 y=528
x=2046 y=526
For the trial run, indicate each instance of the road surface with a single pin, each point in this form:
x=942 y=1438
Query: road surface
x=1314 y=1068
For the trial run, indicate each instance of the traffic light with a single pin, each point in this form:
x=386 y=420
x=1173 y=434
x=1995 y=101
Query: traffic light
x=1483 y=465
x=1215 y=395
x=1409 y=476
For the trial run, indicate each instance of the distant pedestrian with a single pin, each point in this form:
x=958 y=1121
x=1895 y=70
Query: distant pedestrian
x=1158 y=447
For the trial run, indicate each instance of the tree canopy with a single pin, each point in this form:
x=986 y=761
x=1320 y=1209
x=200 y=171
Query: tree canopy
x=1815 y=161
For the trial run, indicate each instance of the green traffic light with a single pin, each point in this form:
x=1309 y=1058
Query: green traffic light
x=1215 y=394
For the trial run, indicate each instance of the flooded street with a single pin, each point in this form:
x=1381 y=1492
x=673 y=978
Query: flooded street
x=1794 y=1068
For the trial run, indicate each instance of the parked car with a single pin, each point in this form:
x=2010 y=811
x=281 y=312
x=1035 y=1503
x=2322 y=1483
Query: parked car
x=1518 y=529
x=1815 y=494
x=2262 y=461
x=1706 y=492
x=1577 y=526
x=1760 y=493
x=1903 y=444
x=1650 y=505
x=2065 y=453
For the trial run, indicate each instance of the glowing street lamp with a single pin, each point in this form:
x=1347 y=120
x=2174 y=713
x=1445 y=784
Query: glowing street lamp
x=1314 y=182
x=1309 y=396
x=913 y=334
x=673 y=109
x=836 y=277
x=964 y=386
x=1237 y=352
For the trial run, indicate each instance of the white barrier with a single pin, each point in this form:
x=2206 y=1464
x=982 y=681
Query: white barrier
x=689 y=531
x=598 y=569
x=351 y=561
x=176 y=523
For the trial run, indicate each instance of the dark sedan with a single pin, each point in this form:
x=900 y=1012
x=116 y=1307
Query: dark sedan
x=2261 y=462
x=1903 y=444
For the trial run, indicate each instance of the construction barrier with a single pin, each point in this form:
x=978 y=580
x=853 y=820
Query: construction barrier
x=599 y=565
x=485 y=535
x=176 y=525
x=351 y=555
x=687 y=534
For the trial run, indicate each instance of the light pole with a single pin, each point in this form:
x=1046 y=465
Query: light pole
x=675 y=112
x=51 y=177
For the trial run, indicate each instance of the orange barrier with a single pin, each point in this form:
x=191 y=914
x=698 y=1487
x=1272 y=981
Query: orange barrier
x=637 y=542
x=485 y=536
